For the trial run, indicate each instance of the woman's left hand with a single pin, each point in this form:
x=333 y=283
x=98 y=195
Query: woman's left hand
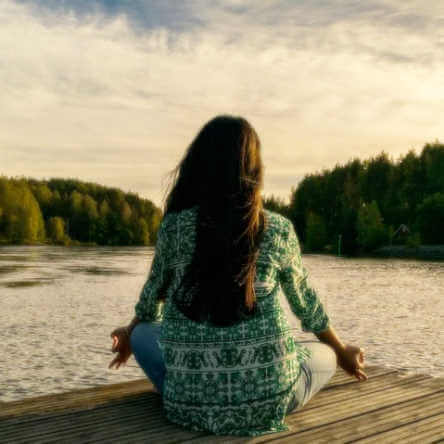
x=121 y=346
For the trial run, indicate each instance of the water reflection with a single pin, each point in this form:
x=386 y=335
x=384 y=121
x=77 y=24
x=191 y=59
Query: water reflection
x=4 y=269
x=97 y=270
x=60 y=304
x=27 y=283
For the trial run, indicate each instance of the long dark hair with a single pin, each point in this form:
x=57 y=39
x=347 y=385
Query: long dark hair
x=222 y=173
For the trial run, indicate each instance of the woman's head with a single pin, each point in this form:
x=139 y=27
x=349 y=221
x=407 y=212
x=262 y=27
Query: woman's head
x=223 y=162
x=222 y=173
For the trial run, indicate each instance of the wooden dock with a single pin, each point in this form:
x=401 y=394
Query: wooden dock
x=390 y=406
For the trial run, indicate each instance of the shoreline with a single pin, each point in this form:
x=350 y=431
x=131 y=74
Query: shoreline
x=72 y=244
x=428 y=252
x=423 y=252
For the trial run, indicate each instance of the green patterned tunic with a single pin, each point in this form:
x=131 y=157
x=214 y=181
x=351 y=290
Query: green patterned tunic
x=235 y=380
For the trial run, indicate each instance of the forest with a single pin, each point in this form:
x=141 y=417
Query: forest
x=356 y=207
x=369 y=203
x=71 y=212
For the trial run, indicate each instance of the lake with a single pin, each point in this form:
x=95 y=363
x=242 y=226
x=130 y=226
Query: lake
x=60 y=304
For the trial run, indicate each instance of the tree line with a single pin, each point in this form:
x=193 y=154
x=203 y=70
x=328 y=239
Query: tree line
x=362 y=205
x=70 y=212
x=368 y=203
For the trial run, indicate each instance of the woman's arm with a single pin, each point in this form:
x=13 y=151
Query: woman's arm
x=132 y=324
x=307 y=306
x=330 y=337
x=293 y=277
x=149 y=306
x=350 y=358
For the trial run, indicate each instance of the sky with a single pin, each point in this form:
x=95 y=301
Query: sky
x=114 y=91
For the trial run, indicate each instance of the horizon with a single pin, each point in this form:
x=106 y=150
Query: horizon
x=321 y=84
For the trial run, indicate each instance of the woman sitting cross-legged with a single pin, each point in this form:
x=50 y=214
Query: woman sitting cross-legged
x=209 y=330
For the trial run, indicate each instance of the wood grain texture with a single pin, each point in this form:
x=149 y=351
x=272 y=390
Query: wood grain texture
x=390 y=406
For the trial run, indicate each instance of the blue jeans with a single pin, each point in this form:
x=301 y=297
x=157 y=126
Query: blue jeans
x=316 y=371
x=146 y=349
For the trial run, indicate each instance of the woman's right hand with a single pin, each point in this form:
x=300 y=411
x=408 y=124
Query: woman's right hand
x=351 y=360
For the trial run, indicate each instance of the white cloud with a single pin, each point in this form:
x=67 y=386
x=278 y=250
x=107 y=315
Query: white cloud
x=95 y=97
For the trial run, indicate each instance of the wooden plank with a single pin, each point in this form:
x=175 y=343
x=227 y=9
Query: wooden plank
x=81 y=402
x=367 y=402
x=122 y=430
x=129 y=412
x=100 y=394
x=427 y=430
x=78 y=420
x=381 y=420
x=162 y=432
x=359 y=389
x=148 y=404
x=83 y=398
x=174 y=434
x=101 y=422
x=371 y=370
x=90 y=397
x=342 y=377
x=353 y=391
x=329 y=413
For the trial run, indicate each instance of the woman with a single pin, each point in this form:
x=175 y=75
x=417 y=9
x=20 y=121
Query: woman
x=209 y=331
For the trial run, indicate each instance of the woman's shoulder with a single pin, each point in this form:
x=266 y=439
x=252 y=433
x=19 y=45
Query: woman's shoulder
x=182 y=217
x=277 y=222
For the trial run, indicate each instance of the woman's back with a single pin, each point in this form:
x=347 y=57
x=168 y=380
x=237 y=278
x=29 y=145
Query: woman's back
x=239 y=379
x=220 y=257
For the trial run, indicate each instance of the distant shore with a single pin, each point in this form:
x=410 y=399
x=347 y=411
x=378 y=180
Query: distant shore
x=71 y=243
x=420 y=252
x=424 y=252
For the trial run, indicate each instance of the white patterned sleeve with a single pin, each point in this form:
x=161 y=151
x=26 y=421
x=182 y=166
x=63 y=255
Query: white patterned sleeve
x=302 y=298
x=149 y=307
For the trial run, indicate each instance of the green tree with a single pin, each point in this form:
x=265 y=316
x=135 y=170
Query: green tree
x=432 y=157
x=104 y=208
x=76 y=200
x=153 y=225
x=125 y=211
x=377 y=181
x=277 y=204
x=27 y=203
x=316 y=236
x=22 y=220
x=371 y=231
x=43 y=195
x=348 y=230
x=89 y=207
x=411 y=184
x=430 y=219
x=56 y=230
x=141 y=232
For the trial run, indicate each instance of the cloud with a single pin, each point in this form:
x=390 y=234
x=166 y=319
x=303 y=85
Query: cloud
x=114 y=92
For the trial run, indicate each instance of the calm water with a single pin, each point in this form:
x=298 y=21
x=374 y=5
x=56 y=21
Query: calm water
x=58 y=306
